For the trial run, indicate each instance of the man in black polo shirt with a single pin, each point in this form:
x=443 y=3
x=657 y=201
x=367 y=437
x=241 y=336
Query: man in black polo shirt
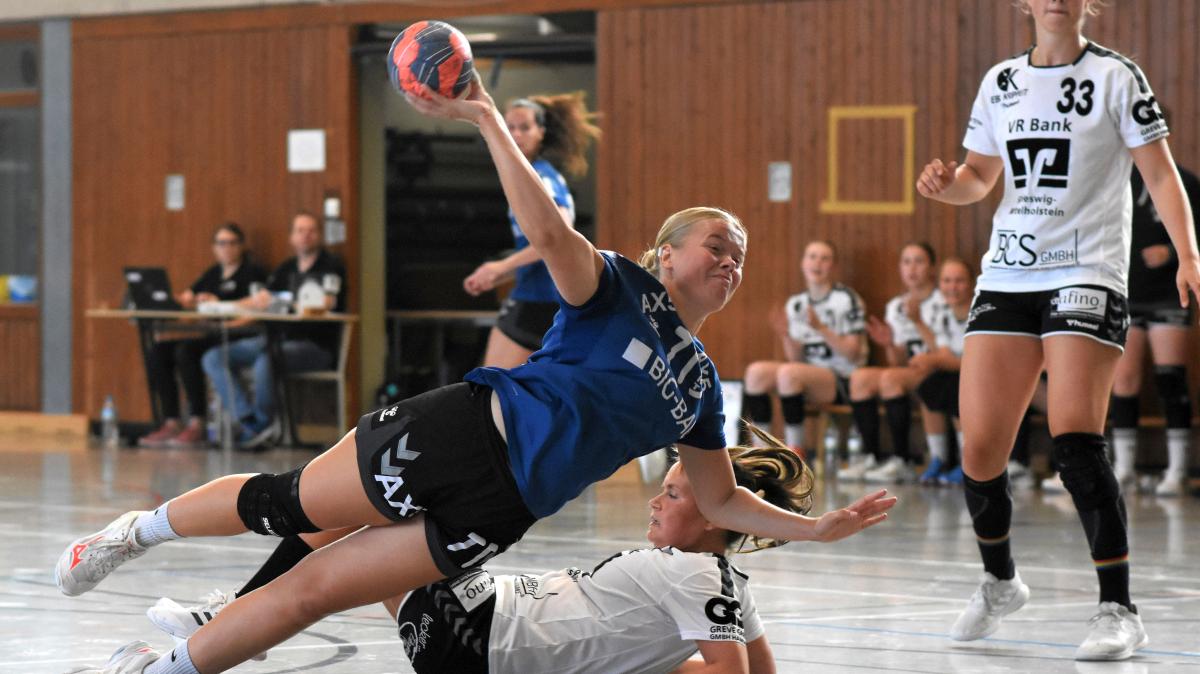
x=304 y=346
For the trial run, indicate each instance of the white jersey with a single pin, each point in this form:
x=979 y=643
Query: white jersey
x=904 y=331
x=949 y=329
x=842 y=310
x=639 y=611
x=1063 y=133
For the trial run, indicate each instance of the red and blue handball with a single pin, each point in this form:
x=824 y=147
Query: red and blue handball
x=432 y=53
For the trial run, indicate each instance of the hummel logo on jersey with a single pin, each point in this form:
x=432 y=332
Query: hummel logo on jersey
x=386 y=416
x=1041 y=162
x=1007 y=79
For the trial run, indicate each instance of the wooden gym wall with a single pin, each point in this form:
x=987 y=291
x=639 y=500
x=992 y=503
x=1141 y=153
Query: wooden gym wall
x=214 y=102
x=697 y=97
x=697 y=101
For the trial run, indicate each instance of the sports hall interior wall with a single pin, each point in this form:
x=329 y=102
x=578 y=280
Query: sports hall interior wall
x=696 y=98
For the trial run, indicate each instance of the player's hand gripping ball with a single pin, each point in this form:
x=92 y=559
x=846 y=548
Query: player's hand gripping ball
x=432 y=53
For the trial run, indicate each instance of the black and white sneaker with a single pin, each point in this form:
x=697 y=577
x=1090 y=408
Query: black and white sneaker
x=182 y=622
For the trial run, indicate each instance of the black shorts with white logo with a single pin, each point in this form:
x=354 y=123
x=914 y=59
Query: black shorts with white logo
x=440 y=454
x=445 y=626
x=526 y=322
x=1144 y=315
x=1091 y=311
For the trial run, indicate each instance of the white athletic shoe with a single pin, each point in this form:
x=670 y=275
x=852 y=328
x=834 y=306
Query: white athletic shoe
x=1114 y=633
x=181 y=622
x=90 y=559
x=855 y=470
x=1173 y=484
x=993 y=600
x=893 y=471
x=129 y=659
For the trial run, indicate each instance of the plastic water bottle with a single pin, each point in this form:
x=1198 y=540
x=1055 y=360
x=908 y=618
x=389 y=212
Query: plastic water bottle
x=110 y=434
x=853 y=447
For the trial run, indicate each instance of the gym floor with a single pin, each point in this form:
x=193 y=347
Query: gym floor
x=882 y=601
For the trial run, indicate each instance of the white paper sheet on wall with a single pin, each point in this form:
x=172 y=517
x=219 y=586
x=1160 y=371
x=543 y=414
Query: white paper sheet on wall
x=306 y=150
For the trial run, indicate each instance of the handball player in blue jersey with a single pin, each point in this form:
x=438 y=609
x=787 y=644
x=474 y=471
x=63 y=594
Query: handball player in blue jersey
x=446 y=480
x=553 y=132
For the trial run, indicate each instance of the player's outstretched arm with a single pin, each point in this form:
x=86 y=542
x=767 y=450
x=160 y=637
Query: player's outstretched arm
x=735 y=508
x=573 y=262
x=960 y=184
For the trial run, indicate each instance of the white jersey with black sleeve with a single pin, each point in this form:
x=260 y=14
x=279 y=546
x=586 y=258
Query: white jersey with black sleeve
x=904 y=331
x=639 y=611
x=842 y=310
x=1064 y=133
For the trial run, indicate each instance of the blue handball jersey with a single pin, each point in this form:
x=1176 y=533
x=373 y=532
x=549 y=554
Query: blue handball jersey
x=533 y=280
x=616 y=378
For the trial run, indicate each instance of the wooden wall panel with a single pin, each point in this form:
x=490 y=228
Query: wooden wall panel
x=215 y=107
x=697 y=100
x=20 y=359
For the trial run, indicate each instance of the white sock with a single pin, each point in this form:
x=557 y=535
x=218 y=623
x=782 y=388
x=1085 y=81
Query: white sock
x=1179 y=441
x=176 y=662
x=937 y=446
x=1124 y=448
x=793 y=434
x=153 y=527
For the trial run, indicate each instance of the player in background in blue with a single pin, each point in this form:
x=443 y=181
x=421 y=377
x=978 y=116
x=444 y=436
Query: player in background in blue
x=553 y=132
x=446 y=480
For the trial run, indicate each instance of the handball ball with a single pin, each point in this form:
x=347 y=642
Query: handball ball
x=432 y=53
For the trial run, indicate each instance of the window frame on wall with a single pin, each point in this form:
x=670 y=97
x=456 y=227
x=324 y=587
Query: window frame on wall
x=26 y=98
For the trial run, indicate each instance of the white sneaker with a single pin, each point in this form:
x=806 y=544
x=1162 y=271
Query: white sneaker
x=1053 y=484
x=131 y=658
x=1173 y=484
x=854 y=472
x=181 y=622
x=893 y=471
x=1114 y=633
x=90 y=559
x=993 y=600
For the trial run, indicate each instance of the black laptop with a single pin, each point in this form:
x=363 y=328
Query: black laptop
x=149 y=288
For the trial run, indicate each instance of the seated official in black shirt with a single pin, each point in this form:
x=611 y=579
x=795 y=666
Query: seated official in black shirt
x=228 y=279
x=304 y=347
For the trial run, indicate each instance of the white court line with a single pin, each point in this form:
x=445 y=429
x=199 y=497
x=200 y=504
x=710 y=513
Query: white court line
x=303 y=647
x=784 y=619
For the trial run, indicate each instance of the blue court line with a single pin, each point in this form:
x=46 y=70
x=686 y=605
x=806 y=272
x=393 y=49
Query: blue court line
x=1022 y=642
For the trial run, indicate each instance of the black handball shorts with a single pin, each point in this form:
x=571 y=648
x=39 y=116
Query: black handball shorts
x=1168 y=313
x=1090 y=311
x=445 y=626
x=440 y=454
x=526 y=322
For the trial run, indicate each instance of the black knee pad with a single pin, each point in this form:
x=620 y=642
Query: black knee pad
x=990 y=505
x=1171 y=382
x=757 y=407
x=793 y=408
x=1123 y=411
x=270 y=505
x=1082 y=461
